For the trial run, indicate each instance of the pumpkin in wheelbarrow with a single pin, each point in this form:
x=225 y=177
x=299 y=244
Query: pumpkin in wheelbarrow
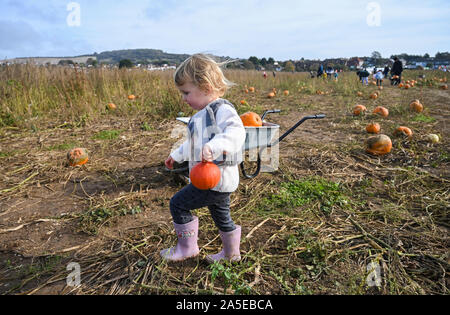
x=251 y=119
x=77 y=156
x=205 y=175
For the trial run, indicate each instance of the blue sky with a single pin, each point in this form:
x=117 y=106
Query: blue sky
x=282 y=29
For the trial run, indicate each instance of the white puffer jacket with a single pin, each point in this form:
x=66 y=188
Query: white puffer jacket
x=229 y=138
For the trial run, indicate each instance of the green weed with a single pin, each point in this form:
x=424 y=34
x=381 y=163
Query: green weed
x=298 y=193
x=228 y=273
x=107 y=135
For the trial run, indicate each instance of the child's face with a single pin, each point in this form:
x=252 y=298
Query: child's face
x=195 y=97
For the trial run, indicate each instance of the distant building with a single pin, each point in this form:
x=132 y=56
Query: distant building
x=354 y=63
x=47 y=60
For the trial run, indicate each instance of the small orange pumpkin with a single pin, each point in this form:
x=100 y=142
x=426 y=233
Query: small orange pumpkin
x=359 y=109
x=407 y=86
x=373 y=128
x=444 y=87
x=271 y=95
x=378 y=145
x=251 y=89
x=205 y=175
x=400 y=85
x=77 y=156
x=402 y=130
x=416 y=106
x=111 y=106
x=359 y=93
x=251 y=119
x=383 y=111
x=131 y=97
x=286 y=92
x=374 y=95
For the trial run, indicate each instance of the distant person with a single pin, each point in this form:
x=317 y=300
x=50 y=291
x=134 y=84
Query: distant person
x=311 y=73
x=397 y=69
x=358 y=73
x=274 y=74
x=336 y=75
x=379 y=76
x=320 y=71
x=386 y=71
x=364 y=75
x=330 y=72
x=265 y=75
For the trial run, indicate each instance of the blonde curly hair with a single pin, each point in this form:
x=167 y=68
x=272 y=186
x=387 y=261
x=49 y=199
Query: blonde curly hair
x=204 y=72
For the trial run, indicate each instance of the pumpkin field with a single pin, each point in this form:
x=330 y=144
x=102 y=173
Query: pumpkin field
x=358 y=205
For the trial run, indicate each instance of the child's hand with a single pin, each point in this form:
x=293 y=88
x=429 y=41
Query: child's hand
x=169 y=162
x=207 y=154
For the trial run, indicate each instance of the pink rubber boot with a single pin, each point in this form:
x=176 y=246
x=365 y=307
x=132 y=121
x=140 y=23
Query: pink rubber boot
x=187 y=246
x=230 y=251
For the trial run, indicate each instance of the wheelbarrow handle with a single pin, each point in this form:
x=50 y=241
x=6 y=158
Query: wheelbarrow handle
x=301 y=121
x=270 y=111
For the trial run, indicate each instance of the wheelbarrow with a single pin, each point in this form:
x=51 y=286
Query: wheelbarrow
x=259 y=138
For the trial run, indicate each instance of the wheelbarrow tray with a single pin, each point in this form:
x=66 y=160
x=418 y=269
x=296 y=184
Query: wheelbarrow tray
x=255 y=137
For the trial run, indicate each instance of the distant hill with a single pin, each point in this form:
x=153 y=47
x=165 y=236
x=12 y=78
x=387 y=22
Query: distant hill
x=153 y=56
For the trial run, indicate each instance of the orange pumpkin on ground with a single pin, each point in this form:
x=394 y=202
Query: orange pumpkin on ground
x=359 y=93
x=271 y=95
x=286 y=92
x=77 y=156
x=383 y=111
x=205 y=175
x=400 y=85
x=378 y=145
x=402 y=130
x=251 y=119
x=111 y=106
x=251 y=89
x=444 y=87
x=416 y=106
x=373 y=128
x=407 y=86
x=374 y=95
x=359 y=109
x=131 y=97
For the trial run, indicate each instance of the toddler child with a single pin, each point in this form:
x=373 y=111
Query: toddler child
x=216 y=133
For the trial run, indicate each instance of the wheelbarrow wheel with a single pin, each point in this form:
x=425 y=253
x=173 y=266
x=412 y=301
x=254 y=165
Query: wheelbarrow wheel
x=250 y=169
x=180 y=172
